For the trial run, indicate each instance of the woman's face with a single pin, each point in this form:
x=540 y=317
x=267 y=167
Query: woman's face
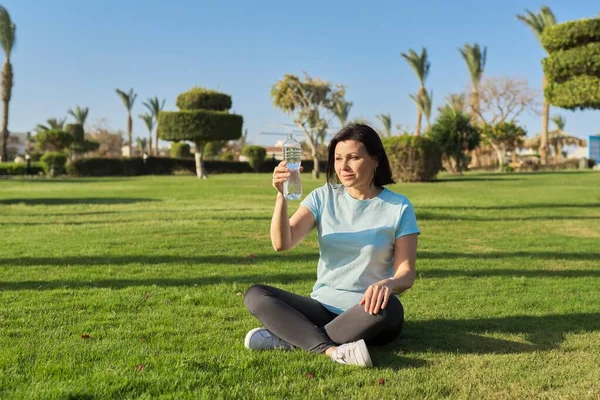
x=353 y=165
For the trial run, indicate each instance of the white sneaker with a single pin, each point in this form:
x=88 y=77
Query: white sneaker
x=263 y=339
x=354 y=353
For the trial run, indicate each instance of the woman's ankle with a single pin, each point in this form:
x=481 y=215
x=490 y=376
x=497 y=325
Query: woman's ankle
x=329 y=351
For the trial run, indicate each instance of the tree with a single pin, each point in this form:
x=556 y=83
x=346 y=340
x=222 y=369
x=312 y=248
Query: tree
x=475 y=59
x=149 y=121
x=308 y=102
x=386 y=121
x=503 y=137
x=538 y=23
x=110 y=143
x=7 y=40
x=420 y=64
x=454 y=101
x=203 y=117
x=256 y=156
x=128 y=100
x=341 y=110
x=53 y=140
x=155 y=106
x=52 y=123
x=504 y=99
x=424 y=103
x=80 y=114
x=455 y=133
x=142 y=143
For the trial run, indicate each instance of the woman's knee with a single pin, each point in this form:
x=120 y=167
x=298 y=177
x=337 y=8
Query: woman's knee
x=254 y=295
x=393 y=313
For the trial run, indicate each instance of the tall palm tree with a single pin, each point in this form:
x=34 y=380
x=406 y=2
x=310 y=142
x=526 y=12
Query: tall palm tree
x=386 y=121
x=475 y=58
x=7 y=40
x=80 y=114
x=538 y=23
x=149 y=121
x=128 y=100
x=420 y=64
x=52 y=123
x=155 y=106
x=141 y=143
x=424 y=103
x=341 y=110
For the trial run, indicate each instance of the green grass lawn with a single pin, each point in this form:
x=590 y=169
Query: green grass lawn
x=132 y=288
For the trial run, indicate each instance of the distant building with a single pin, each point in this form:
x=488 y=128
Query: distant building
x=594 y=148
x=17 y=144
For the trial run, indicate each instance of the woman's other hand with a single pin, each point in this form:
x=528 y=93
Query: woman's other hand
x=376 y=297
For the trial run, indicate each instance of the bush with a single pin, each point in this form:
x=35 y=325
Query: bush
x=54 y=140
x=256 y=155
x=75 y=130
x=203 y=99
x=413 y=158
x=11 y=169
x=571 y=34
x=180 y=150
x=199 y=125
x=580 y=92
x=227 y=156
x=565 y=64
x=54 y=163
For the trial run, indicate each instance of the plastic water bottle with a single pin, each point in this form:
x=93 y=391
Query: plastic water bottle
x=292 y=151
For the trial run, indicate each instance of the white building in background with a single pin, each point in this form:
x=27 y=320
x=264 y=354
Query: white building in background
x=16 y=145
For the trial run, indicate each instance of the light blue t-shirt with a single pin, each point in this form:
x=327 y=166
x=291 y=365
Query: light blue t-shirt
x=356 y=241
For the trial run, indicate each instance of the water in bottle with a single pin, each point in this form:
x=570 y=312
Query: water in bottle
x=292 y=151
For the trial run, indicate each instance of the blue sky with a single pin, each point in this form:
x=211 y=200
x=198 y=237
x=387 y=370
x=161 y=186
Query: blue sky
x=72 y=53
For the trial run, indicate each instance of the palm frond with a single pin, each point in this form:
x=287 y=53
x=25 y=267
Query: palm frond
x=475 y=58
x=148 y=120
x=8 y=30
x=419 y=63
x=538 y=22
x=154 y=105
x=128 y=98
x=560 y=121
x=386 y=121
x=80 y=114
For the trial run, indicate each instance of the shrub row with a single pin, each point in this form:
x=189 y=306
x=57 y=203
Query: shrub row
x=10 y=168
x=413 y=158
x=166 y=166
x=571 y=34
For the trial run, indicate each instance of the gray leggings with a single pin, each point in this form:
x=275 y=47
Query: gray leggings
x=307 y=324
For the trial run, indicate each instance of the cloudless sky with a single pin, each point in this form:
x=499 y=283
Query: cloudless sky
x=72 y=53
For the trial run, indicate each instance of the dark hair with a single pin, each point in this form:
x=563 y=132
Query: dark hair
x=370 y=139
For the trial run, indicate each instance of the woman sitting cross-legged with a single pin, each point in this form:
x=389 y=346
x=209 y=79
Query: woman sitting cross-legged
x=368 y=241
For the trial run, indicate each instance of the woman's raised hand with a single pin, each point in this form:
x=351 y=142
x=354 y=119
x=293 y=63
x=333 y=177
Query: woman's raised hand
x=280 y=175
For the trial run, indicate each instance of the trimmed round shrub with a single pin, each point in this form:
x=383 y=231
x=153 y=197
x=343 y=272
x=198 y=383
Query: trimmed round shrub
x=413 y=158
x=564 y=64
x=54 y=163
x=256 y=155
x=76 y=130
x=199 y=125
x=227 y=156
x=180 y=150
x=200 y=98
x=571 y=34
x=580 y=92
x=54 y=140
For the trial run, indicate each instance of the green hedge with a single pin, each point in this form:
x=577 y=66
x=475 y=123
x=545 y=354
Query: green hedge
x=581 y=92
x=180 y=150
x=199 y=125
x=54 y=163
x=10 y=168
x=167 y=166
x=256 y=155
x=571 y=34
x=564 y=64
x=203 y=99
x=413 y=158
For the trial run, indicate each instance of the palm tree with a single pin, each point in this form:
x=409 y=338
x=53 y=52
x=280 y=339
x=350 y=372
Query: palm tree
x=475 y=58
x=52 y=123
x=7 y=40
x=538 y=23
x=80 y=114
x=141 y=143
x=424 y=103
x=386 y=121
x=128 y=100
x=341 y=110
x=454 y=101
x=155 y=106
x=149 y=121
x=421 y=65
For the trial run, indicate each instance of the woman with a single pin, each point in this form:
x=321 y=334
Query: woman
x=367 y=239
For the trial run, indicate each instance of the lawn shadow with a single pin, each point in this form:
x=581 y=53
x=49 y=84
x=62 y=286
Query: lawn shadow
x=515 y=273
x=495 y=255
x=426 y=216
x=156 y=260
x=474 y=179
x=515 y=206
x=248 y=279
x=68 y=201
x=473 y=336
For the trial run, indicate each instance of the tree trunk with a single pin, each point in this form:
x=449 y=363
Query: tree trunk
x=199 y=156
x=543 y=150
x=501 y=154
x=316 y=170
x=129 y=129
x=150 y=144
x=419 y=113
x=156 y=142
x=7 y=81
